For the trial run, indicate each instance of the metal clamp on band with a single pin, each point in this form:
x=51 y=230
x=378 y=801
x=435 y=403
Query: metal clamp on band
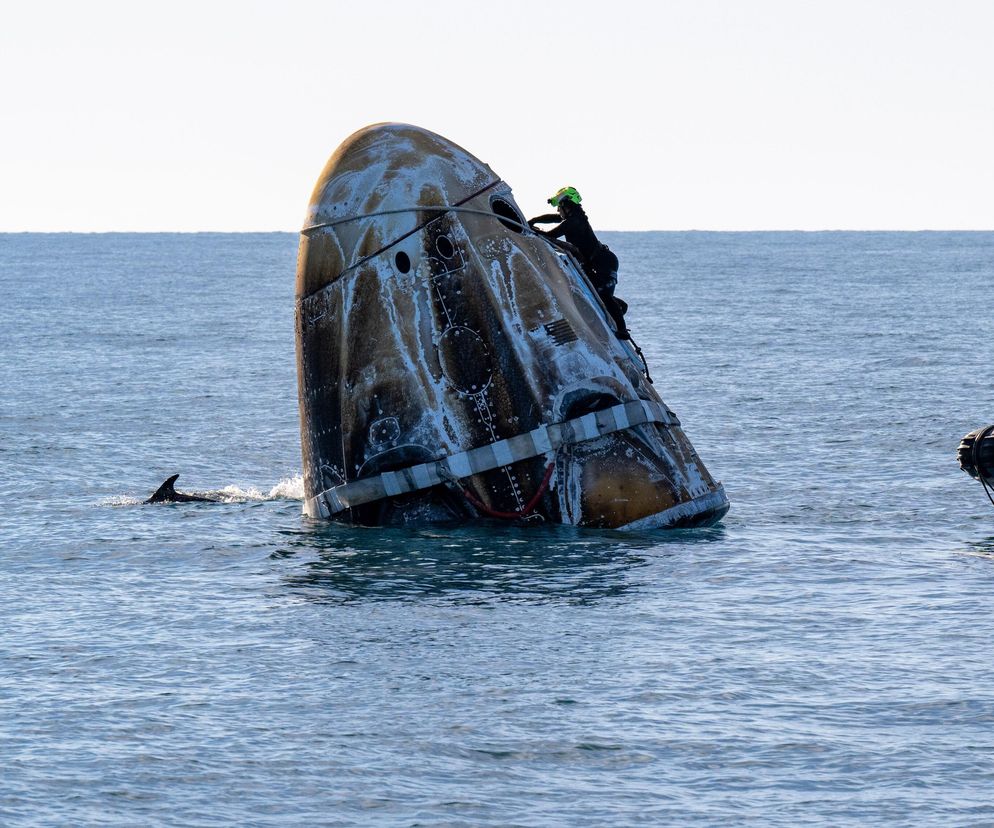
x=541 y=440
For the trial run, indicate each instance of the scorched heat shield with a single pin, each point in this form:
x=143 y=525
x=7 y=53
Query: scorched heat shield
x=453 y=364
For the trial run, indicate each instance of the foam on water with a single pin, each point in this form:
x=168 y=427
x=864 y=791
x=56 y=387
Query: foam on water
x=289 y=488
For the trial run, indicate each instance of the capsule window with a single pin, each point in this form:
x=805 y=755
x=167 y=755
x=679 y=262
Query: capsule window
x=444 y=247
x=403 y=262
x=508 y=216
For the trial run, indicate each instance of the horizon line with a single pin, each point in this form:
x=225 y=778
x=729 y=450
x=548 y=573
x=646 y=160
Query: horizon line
x=600 y=230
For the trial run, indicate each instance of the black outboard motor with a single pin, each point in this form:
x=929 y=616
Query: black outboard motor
x=976 y=456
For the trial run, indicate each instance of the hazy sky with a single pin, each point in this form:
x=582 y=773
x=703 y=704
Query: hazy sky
x=667 y=115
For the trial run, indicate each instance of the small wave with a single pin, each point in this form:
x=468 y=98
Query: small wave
x=120 y=500
x=289 y=488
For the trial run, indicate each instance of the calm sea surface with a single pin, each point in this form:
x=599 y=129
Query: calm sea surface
x=825 y=656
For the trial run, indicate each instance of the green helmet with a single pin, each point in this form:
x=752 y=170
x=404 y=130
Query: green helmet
x=567 y=193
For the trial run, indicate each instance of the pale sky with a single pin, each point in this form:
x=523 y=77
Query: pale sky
x=694 y=114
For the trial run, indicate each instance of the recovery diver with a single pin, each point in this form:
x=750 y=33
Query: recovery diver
x=599 y=263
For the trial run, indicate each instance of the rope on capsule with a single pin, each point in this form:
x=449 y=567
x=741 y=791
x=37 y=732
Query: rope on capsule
x=447 y=208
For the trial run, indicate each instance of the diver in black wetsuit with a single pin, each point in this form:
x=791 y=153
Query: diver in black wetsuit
x=599 y=263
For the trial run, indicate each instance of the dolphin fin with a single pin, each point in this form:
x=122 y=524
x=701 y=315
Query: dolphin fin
x=165 y=493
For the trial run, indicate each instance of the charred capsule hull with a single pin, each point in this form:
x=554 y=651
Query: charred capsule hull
x=453 y=364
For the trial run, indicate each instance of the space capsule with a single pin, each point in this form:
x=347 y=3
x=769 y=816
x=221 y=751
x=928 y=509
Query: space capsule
x=453 y=364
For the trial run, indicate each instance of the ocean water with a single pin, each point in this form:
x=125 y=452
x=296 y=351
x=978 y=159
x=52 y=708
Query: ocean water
x=822 y=657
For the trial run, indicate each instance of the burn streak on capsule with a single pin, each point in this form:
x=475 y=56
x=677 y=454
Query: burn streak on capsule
x=453 y=364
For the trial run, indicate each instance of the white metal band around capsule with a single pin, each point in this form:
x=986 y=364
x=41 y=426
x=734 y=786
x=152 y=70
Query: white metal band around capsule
x=542 y=440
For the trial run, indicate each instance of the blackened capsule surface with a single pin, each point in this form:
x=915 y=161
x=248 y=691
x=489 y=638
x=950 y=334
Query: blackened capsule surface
x=453 y=364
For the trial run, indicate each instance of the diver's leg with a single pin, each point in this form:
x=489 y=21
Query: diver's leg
x=615 y=307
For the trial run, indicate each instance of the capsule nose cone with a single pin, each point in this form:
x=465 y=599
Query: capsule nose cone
x=367 y=196
x=394 y=165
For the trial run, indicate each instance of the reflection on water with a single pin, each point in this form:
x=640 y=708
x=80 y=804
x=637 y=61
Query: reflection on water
x=476 y=563
x=981 y=548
